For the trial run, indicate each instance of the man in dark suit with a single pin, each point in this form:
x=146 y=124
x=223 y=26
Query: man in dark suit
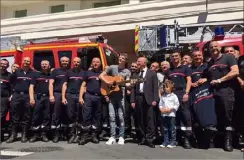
x=144 y=97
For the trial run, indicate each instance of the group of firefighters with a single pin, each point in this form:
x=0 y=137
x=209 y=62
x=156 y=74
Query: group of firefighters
x=69 y=103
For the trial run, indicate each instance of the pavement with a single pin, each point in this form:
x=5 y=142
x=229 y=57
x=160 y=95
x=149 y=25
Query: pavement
x=62 y=150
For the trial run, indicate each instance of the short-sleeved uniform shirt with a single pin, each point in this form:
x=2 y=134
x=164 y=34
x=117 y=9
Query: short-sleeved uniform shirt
x=22 y=80
x=41 y=82
x=58 y=75
x=5 y=84
x=197 y=72
x=74 y=79
x=241 y=66
x=219 y=68
x=93 y=83
x=178 y=76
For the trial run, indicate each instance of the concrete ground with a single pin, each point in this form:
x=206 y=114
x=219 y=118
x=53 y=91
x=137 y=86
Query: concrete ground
x=101 y=151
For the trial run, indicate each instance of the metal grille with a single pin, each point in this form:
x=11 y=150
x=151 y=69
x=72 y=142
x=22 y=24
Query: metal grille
x=147 y=39
x=41 y=149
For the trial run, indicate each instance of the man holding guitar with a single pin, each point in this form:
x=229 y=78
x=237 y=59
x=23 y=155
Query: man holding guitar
x=116 y=98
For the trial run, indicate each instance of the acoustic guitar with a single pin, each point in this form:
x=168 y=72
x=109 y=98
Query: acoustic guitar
x=117 y=81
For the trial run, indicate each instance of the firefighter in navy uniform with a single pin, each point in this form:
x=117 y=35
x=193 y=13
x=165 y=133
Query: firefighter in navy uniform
x=181 y=76
x=203 y=104
x=39 y=99
x=5 y=92
x=55 y=89
x=91 y=103
x=222 y=72
x=20 y=101
x=70 y=97
x=239 y=99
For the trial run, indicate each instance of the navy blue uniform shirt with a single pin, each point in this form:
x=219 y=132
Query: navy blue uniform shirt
x=219 y=68
x=58 y=75
x=74 y=79
x=93 y=83
x=40 y=81
x=22 y=80
x=178 y=76
x=197 y=72
x=5 y=84
x=241 y=66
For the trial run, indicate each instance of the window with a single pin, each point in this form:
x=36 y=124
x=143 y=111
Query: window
x=20 y=13
x=57 y=9
x=87 y=54
x=64 y=54
x=111 y=57
x=106 y=4
x=43 y=55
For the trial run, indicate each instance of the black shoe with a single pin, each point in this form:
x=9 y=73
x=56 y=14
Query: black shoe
x=71 y=139
x=76 y=139
x=44 y=137
x=95 y=139
x=13 y=136
x=228 y=142
x=24 y=138
x=142 y=142
x=241 y=140
x=56 y=137
x=102 y=134
x=186 y=144
x=83 y=140
x=150 y=144
x=33 y=138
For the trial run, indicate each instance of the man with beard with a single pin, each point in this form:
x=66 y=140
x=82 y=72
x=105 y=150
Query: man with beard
x=5 y=92
x=39 y=99
x=221 y=73
x=144 y=98
x=55 y=97
x=70 y=98
x=204 y=116
x=20 y=101
x=181 y=76
x=91 y=103
x=116 y=99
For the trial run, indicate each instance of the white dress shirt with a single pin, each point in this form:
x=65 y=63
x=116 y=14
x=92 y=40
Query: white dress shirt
x=142 y=84
x=169 y=101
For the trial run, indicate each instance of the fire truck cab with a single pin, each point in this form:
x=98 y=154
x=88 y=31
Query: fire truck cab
x=53 y=51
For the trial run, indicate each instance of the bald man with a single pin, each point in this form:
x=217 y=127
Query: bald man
x=221 y=73
x=55 y=88
x=144 y=97
x=20 y=101
x=39 y=99
x=70 y=98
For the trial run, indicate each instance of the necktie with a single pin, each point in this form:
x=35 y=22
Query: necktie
x=141 y=74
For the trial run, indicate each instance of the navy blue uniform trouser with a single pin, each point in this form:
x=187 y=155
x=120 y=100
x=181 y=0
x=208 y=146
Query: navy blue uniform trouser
x=224 y=102
x=4 y=109
x=183 y=115
x=42 y=113
x=92 y=113
x=57 y=111
x=20 y=109
x=72 y=110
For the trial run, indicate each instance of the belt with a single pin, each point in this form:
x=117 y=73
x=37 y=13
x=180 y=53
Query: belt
x=94 y=94
x=22 y=93
x=140 y=94
x=43 y=94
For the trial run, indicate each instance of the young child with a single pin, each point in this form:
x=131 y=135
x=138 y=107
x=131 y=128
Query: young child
x=168 y=106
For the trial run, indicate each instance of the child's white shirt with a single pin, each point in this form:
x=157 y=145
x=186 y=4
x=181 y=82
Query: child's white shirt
x=169 y=101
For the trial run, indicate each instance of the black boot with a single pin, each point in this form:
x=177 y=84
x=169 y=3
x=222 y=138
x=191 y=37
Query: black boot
x=94 y=138
x=34 y=137
x=84 y=139
x=13 y=136
x=72 y=135
x=186 y=143
x=24 y=138
x=241 y=140
x=56 y=137
x=208 y=141
x=44 y=137
x=228 y=141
